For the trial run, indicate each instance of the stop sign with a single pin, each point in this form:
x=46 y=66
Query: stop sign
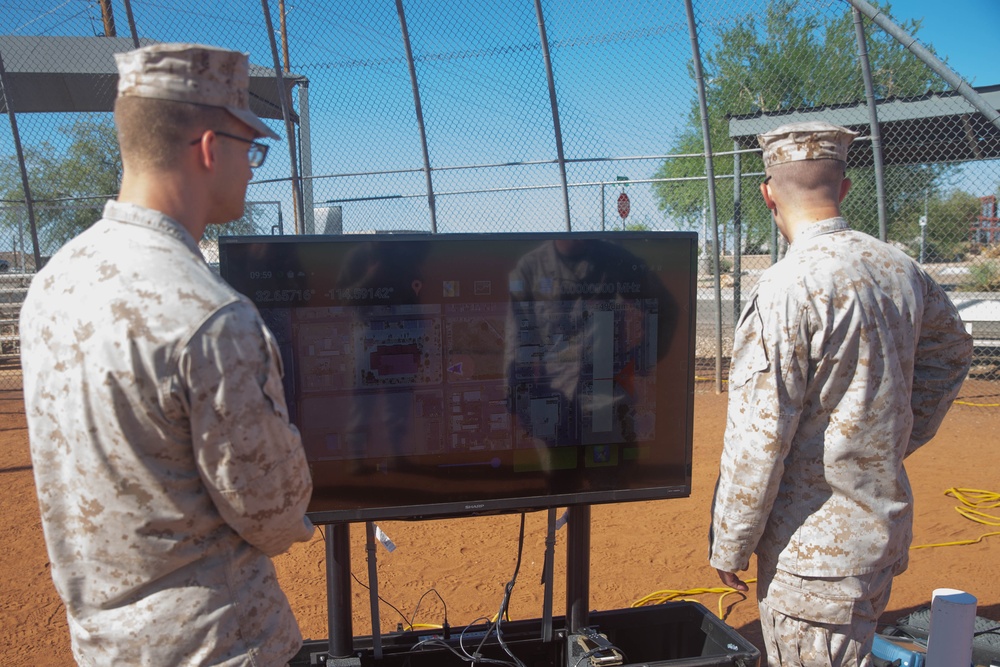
x=624 y=206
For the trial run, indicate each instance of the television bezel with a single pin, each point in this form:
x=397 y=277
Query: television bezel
x=487 y=506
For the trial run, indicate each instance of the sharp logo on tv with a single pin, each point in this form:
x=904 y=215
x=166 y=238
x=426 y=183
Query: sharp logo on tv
x=455 y=374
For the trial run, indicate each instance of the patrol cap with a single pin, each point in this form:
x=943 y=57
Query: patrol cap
x=192 y=73
x=813 y=140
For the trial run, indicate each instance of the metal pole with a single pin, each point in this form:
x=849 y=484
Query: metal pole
x=420 y=114
x=923 y=229
x=710 y=175
x=305 y=149
x=131 y=23
x=737 y=232
x=29 y=205
x=602 y=207
x=285 y=113
x=578 y=568
x=543 y=37
x=338 y=590
x=866 y=71
x=547 y=575
x=373 y=590
x=929 y=59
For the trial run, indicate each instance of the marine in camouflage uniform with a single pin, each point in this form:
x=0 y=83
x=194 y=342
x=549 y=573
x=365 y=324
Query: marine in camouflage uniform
x=166 y=468
x=846 y=359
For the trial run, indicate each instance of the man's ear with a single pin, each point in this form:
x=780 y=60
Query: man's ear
x=765 y=192
x=845 y=186
x=206 y=150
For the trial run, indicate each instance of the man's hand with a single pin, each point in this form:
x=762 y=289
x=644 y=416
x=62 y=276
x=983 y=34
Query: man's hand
x=730 y=579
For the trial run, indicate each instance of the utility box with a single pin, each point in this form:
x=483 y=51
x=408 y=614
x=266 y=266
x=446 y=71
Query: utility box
x=675 y=634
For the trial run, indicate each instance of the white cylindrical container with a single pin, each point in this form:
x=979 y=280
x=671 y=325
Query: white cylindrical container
x=953 y=622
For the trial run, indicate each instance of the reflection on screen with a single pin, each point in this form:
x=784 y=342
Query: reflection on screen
x=460 y=371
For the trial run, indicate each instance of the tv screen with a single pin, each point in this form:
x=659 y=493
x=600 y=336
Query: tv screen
x=441 y=375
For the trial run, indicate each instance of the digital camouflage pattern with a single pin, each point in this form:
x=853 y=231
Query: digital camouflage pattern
x=811 y=140
x=846 y=359
x=166 y=469
x=192 y=73
x=820 y=621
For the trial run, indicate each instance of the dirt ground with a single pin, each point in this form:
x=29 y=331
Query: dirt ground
x=637 y=548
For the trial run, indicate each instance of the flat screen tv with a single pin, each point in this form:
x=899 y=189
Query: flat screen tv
x=442 y=375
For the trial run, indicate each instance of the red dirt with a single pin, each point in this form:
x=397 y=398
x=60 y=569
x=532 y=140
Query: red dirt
x=637 y=548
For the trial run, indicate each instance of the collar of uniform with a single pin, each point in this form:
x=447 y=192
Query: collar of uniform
x=134 y=214
x=827 y=226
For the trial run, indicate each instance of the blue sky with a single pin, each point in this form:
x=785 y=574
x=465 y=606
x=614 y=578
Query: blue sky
x=963 y=30
x=622 y=82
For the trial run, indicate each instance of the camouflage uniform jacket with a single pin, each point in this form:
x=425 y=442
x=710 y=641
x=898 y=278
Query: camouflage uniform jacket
x=166 y=469
x=845 y=361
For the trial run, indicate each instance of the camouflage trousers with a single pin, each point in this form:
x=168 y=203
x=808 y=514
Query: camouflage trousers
x=819 y=621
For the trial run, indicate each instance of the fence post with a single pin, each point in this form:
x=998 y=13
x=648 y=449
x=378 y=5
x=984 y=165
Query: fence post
x=285 y=113
x=557 y=127
x=866 y=71
x=305 y=150
x=29 y=205
x=737 y=232
x=420 y=114
x=710 y=174
x=131 y=23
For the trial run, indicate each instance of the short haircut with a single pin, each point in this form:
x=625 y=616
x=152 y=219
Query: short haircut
x=153 y=133
x=809 y=179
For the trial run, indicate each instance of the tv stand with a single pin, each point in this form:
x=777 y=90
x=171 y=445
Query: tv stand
x=338 y=590
x=338 y=581
x=656 y=636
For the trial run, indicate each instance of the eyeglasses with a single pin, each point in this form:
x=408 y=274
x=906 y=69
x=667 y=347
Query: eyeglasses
x=256 y=154
x=765 y=181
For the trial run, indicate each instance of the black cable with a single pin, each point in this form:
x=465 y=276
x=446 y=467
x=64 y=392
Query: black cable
x=987 y=631
x=461 y=637
x=382 y=599
x=508 y=589
x=433 y=641
x=417 y=608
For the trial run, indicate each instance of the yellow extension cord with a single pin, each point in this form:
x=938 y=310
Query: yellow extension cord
x=973 y=502
x=667 y=595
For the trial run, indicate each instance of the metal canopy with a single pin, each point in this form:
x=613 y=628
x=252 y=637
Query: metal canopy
x=78 y=74
x=937 y=127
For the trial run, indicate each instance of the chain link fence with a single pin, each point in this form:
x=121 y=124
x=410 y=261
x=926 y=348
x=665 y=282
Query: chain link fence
x=519 y=115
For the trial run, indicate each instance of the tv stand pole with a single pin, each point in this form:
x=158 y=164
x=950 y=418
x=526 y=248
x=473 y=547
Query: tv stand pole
x=338 y=590
x=578 y=568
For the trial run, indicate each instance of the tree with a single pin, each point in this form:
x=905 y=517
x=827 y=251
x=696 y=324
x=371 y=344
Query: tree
x=70 y=183
x=790 y=59
x=950 y=218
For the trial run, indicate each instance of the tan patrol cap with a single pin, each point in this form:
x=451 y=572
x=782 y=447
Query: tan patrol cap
x=814 y=140
x=191 y=73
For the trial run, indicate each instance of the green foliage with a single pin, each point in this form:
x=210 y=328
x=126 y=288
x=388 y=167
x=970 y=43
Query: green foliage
x=791 y=58
x=984 y=276
x=69 y=185
x=87 y=164
x=949 y=219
